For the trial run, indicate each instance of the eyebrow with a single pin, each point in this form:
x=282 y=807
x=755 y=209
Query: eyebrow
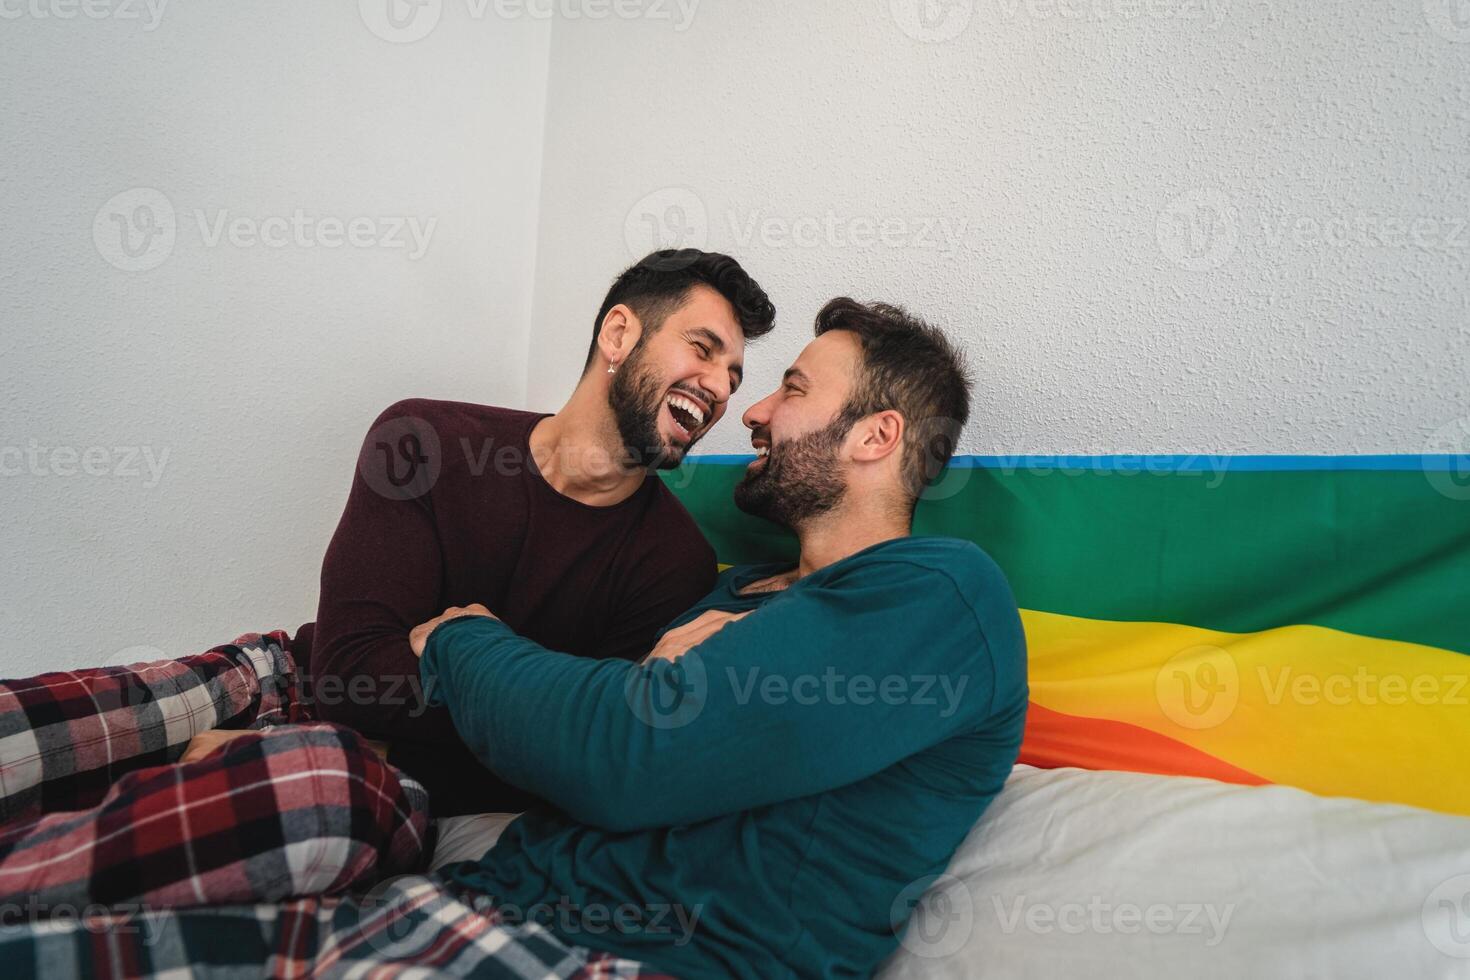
x=797 y=373
x=718 y=344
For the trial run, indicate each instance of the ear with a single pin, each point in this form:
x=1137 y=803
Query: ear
x=878 y=436
x=620 y=332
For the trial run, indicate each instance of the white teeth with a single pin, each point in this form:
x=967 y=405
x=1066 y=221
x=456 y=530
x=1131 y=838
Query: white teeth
x=679 y=401
x=762 y=450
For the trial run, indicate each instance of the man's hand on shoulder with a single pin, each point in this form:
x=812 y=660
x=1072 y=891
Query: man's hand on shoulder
x=418 y=637
x=677 y=642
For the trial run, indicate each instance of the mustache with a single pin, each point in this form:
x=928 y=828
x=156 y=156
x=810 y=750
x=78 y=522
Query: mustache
x=696 y=392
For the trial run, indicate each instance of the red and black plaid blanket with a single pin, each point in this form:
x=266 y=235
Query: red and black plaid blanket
x=272 y=855
x=412 y=926
x=92 y=817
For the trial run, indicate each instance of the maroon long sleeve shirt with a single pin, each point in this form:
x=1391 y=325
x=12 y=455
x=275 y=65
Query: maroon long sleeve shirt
x=447 y=509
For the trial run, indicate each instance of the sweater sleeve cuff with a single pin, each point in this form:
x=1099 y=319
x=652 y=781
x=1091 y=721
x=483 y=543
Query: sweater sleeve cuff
x=429 y=667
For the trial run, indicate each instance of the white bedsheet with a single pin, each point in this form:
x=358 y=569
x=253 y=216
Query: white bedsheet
x=467 y=838
x=1098 y=875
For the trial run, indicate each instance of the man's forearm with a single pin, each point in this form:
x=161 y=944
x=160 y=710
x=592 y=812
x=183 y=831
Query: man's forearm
x=664 y=743
x=374 y=685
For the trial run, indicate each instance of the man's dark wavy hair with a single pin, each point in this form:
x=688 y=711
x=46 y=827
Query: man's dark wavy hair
x=659 y=283
x=913 y=369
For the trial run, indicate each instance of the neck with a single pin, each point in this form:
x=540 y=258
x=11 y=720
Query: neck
x=846 y=530
x=580 y=453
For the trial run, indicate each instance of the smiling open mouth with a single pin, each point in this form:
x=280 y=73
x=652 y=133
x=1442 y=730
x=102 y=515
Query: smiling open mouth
x=687 y=416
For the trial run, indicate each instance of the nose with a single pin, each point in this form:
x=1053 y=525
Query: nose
x=758 y=415
x=717 y=383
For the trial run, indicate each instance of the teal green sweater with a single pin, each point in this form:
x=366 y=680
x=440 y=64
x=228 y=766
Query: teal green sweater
x=768 y=804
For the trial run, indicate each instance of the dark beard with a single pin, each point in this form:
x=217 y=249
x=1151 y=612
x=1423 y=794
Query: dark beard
x=800 y=478
x=636 y=398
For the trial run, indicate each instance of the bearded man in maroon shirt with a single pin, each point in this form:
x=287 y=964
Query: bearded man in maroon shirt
x=557 y=522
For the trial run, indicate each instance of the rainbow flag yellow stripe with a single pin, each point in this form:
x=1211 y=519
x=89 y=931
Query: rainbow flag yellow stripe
x=1293 y=620
x=1331 y=712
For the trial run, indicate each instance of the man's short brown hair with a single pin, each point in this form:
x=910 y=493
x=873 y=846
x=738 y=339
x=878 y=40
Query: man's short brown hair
x=912 y=368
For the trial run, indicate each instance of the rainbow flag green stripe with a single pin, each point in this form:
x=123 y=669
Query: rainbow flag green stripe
x=1303 y=621
x=1379 y=553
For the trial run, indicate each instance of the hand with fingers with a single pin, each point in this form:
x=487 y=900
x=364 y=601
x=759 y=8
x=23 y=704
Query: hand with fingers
x=678 y=641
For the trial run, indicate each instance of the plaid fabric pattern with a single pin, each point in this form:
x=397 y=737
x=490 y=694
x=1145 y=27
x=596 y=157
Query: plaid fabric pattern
x=66 y=737
x=293 y=810
x=410 y=926
x=93 y=815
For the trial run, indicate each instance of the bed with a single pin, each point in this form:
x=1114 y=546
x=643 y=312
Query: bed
x=1250 y=698
x=1115 y=874
x=1250 y=707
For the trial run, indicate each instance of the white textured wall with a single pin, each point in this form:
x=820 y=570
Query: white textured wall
x=1161 y=225
x=1169 y=225
x=255 y=368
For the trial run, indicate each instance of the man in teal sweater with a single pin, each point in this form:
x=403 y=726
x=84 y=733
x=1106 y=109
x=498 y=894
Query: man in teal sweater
x=760 y=795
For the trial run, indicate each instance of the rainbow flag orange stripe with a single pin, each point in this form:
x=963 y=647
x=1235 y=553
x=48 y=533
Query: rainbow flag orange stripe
x=1294 y=620
x=1055 y=739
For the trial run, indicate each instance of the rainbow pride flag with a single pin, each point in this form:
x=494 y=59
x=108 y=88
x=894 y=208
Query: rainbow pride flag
x=1254 y=619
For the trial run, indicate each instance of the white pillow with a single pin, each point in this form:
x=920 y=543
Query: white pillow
x=1073 y=873
x=467 y=838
